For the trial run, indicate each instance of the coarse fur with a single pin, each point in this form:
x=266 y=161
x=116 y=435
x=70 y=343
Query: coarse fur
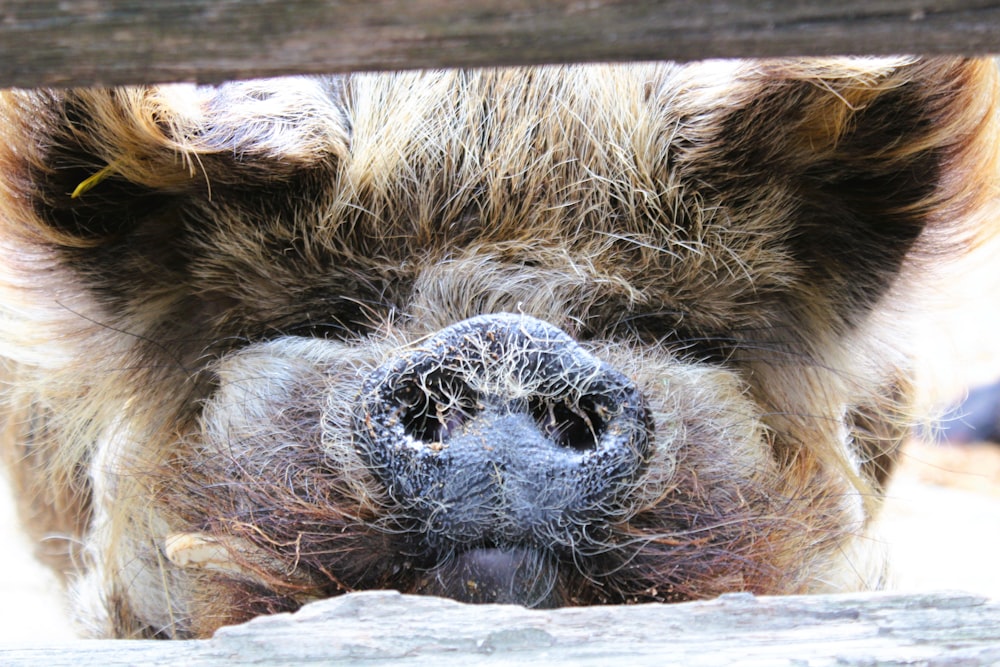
x=195 y=282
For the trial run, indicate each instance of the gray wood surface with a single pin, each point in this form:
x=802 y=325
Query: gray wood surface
x=386 y=628
x=53 y=42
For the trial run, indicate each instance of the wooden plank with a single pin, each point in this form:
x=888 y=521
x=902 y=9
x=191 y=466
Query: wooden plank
x=52 y=42
x=386 y=628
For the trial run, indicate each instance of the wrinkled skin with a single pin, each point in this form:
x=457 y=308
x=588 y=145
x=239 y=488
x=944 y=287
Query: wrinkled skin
x=553 y=336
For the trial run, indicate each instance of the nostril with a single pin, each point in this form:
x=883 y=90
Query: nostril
x=432 y=407
x=573 y=424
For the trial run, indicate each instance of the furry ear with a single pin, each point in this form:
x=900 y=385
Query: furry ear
x=873 y=160
x=94 y=164
x=872 y=173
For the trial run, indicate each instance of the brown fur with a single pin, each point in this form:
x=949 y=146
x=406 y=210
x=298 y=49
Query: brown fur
x=184 y=342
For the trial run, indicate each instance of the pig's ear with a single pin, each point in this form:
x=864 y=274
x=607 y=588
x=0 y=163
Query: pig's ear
x=85 y=165
x=870 y=160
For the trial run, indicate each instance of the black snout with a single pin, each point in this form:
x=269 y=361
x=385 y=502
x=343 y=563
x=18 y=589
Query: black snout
x=502 y=433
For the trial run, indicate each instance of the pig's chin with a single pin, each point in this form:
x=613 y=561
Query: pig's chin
x=517 y=575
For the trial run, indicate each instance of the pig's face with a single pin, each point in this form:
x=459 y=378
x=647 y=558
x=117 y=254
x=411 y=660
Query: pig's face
x=552 y=336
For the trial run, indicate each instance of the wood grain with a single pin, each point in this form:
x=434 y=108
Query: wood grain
x=386 y=628
x=53 y=42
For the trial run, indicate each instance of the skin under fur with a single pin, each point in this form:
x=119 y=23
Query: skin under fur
x=195 y=283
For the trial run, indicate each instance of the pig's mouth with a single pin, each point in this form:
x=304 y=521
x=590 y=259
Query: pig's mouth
x=515 y=575
x=508 y=452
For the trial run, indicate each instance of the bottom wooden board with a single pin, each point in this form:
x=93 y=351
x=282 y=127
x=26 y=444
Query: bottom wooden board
x=384 y=627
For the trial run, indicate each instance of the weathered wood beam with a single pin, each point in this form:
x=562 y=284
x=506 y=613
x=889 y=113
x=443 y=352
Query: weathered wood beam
x=52 y=42
x=385 y=628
